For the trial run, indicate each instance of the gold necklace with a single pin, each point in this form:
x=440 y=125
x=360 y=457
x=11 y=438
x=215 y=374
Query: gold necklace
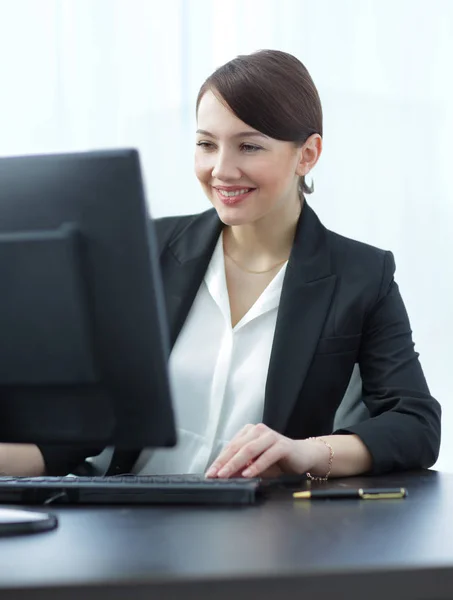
x=255 y=272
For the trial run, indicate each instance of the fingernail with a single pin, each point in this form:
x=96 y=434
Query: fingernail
x=211 y=472
x=223 y=472
x=247 y=472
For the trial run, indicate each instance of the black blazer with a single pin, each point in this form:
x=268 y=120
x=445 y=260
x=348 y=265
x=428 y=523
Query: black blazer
x=339 y=306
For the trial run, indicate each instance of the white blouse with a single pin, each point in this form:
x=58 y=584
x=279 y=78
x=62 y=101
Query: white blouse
x=217 y=373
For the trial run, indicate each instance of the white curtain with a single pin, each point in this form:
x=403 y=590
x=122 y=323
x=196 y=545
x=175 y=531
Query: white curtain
x=86 y=74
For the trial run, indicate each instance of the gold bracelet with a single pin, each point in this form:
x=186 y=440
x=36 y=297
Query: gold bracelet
x=329 y=468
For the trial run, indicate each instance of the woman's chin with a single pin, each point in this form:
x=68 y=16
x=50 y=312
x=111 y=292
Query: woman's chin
x=232 y=220
x=233 y=216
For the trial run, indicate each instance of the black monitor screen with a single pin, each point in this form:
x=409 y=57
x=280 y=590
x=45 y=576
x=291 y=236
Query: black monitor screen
x=83 y=335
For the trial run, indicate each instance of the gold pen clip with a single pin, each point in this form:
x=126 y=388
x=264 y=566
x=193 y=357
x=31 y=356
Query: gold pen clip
x=382 y=495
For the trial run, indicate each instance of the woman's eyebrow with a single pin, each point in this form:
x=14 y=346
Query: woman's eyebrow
x=236 y=135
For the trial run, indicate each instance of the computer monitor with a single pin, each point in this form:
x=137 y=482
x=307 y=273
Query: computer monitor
x=83 y=334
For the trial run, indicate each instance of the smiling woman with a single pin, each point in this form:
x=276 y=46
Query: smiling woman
x=275 y=310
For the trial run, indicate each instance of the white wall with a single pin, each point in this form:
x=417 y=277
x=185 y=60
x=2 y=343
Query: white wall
x=83 y=74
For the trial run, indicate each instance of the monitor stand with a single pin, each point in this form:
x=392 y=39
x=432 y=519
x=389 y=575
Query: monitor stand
x=17 y=521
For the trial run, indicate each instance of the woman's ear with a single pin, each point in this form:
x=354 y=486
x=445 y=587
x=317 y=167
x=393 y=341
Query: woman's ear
x=309 y=154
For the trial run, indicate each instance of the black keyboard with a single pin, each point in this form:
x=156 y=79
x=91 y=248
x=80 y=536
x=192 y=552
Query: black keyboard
x=129 y=489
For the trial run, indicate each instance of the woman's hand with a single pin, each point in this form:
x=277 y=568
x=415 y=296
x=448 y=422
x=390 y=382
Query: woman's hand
x=260 y=451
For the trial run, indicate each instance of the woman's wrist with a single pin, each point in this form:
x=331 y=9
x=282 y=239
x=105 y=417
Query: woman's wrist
x=322 y=456
x=350 y=455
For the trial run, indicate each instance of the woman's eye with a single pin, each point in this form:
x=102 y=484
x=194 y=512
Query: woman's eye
x=205 y=145
x=250 y=148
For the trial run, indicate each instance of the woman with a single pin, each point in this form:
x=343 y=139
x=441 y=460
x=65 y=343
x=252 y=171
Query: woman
x=269 y=311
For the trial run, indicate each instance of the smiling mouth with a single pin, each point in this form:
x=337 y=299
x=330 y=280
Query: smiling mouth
x=234 y=193
x=231 y=197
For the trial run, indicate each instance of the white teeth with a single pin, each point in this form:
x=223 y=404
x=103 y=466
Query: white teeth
x=236 y=193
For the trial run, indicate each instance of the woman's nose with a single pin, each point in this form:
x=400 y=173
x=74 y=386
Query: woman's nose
x=225 y=168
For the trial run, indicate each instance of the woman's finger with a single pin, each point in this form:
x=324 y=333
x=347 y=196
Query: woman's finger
x=248 y=433
x=267 y=459
x=247 y=453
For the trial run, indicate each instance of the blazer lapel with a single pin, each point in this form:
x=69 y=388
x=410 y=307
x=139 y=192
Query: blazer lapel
x=184 y=264
x=305 y=300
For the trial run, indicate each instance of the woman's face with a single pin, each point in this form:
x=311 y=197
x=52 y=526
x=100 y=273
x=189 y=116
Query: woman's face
x=245 y=174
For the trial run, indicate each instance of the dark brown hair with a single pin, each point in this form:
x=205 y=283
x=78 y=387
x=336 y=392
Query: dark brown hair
x=272 y=92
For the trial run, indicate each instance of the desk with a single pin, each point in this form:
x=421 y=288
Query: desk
x=281 y=549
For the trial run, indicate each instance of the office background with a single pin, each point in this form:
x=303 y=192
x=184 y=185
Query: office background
x=89 y=74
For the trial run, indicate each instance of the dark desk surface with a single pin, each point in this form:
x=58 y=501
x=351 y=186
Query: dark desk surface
x=359 y=549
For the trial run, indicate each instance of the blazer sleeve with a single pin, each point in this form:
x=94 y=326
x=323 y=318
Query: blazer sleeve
x=404 y=429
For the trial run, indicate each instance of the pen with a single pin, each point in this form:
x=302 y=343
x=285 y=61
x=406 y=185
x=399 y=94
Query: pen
x=361 y=493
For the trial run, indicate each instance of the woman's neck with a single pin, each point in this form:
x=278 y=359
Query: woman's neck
x=268 y=240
